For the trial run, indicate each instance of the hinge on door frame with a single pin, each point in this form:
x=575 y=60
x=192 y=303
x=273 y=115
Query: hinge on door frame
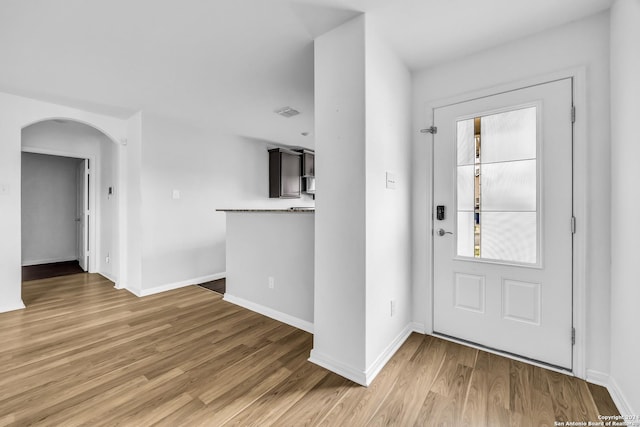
x=431 y=129
x=573 y=225
x=573 y=336
x=573 y=114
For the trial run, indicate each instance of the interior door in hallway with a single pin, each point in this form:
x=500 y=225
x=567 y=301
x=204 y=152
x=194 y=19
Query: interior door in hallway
x=502 y=202
x=82 y=213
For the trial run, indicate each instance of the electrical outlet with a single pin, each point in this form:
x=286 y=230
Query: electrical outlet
x=272 y=283
x=393 y=307
x=108 y=258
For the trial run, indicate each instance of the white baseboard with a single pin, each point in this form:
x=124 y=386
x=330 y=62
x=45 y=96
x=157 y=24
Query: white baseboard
x=350 y=373
x=109 y=277
x=270 y=312
x=47 y=261
x=136 y=292
x=619 y=398
x=176 y=285
x=364 y=378
x=597 y=377
x=419 y=328
x=12 y=307
x=387 y=354
x=116 y=285
x=606 y=380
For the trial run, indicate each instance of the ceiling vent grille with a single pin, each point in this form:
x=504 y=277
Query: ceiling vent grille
x=287 y=112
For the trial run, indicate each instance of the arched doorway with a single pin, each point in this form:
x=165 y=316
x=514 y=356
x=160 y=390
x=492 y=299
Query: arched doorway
x=52 y=141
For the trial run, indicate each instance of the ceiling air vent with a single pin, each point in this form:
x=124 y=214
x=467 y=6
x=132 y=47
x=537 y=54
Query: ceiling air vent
x=287 y=112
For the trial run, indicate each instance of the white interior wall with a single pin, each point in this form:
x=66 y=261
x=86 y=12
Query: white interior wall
x=49 y=205
x=131 y=233
x=362 y=102
x=583 y=43
x=388 y=237
x=340 y=286
x=261 y=245
x=625 y=205
x=183 y=240
x=109 y=239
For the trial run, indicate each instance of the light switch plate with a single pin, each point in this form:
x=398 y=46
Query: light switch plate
x=175 y=195
x=4 y=189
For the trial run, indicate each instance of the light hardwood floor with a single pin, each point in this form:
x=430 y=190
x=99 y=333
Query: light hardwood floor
x=84 y=353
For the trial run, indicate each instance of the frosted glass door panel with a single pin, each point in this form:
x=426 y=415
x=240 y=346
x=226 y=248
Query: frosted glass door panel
x=465 y=234
x=497 y=186
x=466 y=186
x=509 y=236
x=509 y=186
x=509 y=136
x=466 y=142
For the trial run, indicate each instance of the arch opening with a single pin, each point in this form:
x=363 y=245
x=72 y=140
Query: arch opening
x=49 y=141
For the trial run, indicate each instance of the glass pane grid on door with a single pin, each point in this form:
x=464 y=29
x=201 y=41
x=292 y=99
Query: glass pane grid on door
x=497 y=214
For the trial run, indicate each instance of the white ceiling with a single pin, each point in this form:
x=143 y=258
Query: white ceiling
x=227 y=65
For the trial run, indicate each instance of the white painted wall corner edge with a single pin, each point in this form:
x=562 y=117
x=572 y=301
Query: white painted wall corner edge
x=12 y=307
x=607 y=381
x=388 y=353
x=270 y=312
x=355 y=375
x=171 y=286
x=364 y=378
x=110 y=278
x=420 y=328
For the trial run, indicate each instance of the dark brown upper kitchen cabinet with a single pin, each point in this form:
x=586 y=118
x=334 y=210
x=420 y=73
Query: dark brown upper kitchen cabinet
x=285 y=169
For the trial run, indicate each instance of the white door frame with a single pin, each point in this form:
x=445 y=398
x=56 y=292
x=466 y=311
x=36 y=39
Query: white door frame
x=94 y=218
x=580 y=180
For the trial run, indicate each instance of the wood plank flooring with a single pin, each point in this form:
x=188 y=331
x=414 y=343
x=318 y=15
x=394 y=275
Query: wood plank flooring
x=84 y=353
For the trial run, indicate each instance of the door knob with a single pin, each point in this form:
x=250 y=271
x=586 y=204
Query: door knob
x=441 y=232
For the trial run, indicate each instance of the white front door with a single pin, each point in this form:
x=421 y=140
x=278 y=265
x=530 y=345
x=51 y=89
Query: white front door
x=502 y=209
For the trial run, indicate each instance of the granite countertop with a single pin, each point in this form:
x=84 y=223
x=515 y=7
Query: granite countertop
x=298 y=209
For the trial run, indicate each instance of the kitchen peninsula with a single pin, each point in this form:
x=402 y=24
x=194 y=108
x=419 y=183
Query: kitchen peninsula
x=270 y=263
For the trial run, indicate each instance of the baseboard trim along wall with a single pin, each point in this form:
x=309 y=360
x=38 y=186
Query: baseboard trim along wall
x=619 y=398
x=341 y=369
x=269 y=312
x=387 y=354
x=364 y=378
x=597 y=377
x=419 y=328
x=174 y=285
x=606 y=380
x=110 y=278
x=12 y=307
